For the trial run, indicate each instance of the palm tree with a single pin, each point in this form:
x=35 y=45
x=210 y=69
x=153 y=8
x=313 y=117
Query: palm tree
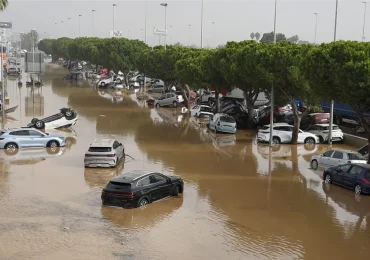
x=257 y=35
x=3 y=4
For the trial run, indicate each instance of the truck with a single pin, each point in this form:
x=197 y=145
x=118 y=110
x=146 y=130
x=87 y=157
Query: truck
x=343 y=113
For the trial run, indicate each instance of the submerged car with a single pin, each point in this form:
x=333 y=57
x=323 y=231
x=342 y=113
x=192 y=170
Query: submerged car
x=66 y=118
x=336 y=157
x=104 y=153
x=118 y=79
x=322 y=131
x=201 y=110
x=139 y=188
x=283 y=132
x=155 y=88
x=13 y=71
x=351 y=176
x=168 y=99
x=222 y=123
x=12 y=139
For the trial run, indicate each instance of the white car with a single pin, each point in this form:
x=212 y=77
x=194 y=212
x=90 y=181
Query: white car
x=282 y=133
x=322 y=131
x=113 y=79
x=335 y=158
x=201 y=110
x=66 y=118
x=104 y=153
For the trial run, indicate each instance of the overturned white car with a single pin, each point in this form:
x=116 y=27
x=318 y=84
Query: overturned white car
x=66 y=118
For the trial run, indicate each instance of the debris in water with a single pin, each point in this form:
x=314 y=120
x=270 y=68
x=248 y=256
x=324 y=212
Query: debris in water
x=103 y=115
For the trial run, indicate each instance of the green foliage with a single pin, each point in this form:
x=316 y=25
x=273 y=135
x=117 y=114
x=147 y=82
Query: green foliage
x=3 y=4
x=269 y=37
x=46 y=45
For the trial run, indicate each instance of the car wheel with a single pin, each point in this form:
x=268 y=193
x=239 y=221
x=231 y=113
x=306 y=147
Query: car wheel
x=276 y=140
x=157 y=105
x=11 y=148
x=102 y=84
x=309 y=140
x=142 y=202
x=34 y=120
x=39 y=124
x=175 y=192
x=314 y=164
x=119 y=81
x=327 y=179
x=358 y=189
x=174 y=103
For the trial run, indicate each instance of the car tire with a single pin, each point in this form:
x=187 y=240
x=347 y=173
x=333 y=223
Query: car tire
x=309 y=140
x=11 y=148
x=157 y=105
x=358 y=189
x=34 y=120
x=175 y=192
x=102 y=84
x=69 y=114
x=39 y=124
x=174 y=103
x=327 y=178
x=276 y=140
x=142 y=202
x=314 y=164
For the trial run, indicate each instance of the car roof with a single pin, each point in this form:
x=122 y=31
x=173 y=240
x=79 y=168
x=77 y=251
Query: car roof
x=131 y=176
x=279 y=124
x=344 y=151
x=102 y=142
x=325 y=124
x=18 y=129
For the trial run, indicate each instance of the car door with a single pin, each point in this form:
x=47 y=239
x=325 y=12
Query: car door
x=339 y=172
x=20 y=137
x=164 y=186
x=154 y=188
x=349 y=178
x=336 y=159
x=324 y=159
x=36 y=139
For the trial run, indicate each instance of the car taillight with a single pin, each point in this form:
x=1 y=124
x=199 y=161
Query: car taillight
x=128 y=195
x=366 y=181
x=1 y=138
x=218 y=123
x=349 y=162
x=111 y=155
x=235 y=126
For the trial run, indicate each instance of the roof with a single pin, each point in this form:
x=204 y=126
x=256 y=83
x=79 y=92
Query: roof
x=18 y=129
x=131 y=176
x=325 y=124
x=102 y=142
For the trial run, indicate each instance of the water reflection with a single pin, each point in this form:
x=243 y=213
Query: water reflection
x=143 y=218
x=34 y=103
x=30 y=155
x=97 y=178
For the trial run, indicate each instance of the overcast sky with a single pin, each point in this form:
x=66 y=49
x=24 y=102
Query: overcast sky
x=234 y=20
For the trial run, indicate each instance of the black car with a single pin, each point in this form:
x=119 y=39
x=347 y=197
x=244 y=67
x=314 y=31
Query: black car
x=352 y=176
x=236 y=110
x=139 y=188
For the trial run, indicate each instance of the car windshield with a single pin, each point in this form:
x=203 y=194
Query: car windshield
x=227 y=119
x=355 y=156
x=335 y=127
x=121 y=186
x=206 y=109
x=100 y=149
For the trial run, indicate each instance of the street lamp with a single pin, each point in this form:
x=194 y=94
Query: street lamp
x=213 y=25
x=272 y=86
x=79 y=27
x=316 y=14
x=363 y=28
x=70 y=29
x=165 y=23
x=93 y=10
x=189 y=34
x=114 y=5
x=201 y=27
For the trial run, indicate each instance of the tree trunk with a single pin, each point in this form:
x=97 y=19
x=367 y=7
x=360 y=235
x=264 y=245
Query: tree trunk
x=126 y=80
x=187 y=96
x=251 y=99
x=297 y=122
x=217 y=101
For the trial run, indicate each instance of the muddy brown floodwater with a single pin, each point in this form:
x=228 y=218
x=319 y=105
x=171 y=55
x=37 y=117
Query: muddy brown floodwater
x=237 y=204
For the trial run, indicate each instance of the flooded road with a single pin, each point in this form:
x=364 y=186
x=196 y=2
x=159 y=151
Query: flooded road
x=240 y=201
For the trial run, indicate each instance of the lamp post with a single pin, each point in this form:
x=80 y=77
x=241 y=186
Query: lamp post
x=93 y=26
x=189 y=34
x=114 y=5
x=79 y=27
x=165 y=23
x=213 y=25
x=363 y=28
x=316 y=14
x=70 y=29
x=272 y=86
x=61 y=26
x=201 y=26
x=332 y=102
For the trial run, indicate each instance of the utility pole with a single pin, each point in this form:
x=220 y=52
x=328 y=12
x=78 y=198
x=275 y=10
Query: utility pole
x=201 y=27
x=316 y=14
